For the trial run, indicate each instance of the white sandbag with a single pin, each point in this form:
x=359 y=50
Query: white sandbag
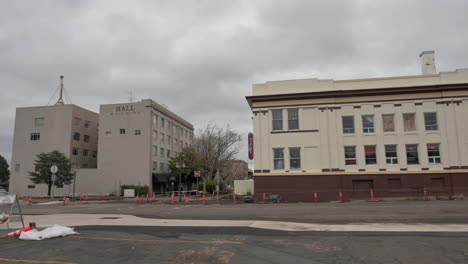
x=50 y=232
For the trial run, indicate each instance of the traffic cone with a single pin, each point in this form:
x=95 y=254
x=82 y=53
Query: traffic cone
x=64 y=201
x=185 y=198
x=29 y=201
x=315 y=197
x=147 y=197
x=142 y=201
x=117 y=197
x=204 y=199
x=372 y=198
x=42 y=197
x=86 y=199
x=172 y=197
x=154 y=198
x=234 y=201
x=31 y=226
x=341 y=196
x=425 y=194
x=213 y=197
x=19 y=197
x=100 y=196
x=81 y=197
x=137 y=199
x=196 y=195
x=264 y=199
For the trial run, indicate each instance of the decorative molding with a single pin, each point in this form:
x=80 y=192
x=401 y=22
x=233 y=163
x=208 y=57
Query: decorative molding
x=418 y=103
x=294 y=131
x=403 y=169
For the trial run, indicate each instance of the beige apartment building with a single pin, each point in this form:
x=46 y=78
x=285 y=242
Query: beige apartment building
x=67 y=128
x=396 y=135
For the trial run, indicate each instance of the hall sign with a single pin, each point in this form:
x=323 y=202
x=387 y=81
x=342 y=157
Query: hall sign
x=124 y=108
x=251 y=146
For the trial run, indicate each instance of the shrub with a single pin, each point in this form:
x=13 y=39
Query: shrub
x=139 y=190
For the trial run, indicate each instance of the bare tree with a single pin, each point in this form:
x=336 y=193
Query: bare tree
x=216 y=146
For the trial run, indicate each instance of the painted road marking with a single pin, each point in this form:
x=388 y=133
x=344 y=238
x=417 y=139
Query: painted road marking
x=36 y=261
x=158 y=241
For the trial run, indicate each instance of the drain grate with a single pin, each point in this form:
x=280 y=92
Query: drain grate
x=109 y=217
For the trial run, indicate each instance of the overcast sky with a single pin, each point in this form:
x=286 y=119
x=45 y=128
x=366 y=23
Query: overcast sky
x=200 y=58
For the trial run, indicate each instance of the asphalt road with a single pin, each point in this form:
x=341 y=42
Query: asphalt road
x=331 y=213
x=236 y=245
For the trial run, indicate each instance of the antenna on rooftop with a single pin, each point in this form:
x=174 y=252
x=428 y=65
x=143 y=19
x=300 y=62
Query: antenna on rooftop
x=60 y=100
x=131 y=98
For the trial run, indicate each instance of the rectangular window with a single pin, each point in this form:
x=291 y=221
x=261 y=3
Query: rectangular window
x=35 y=136
x=155 y=150
x=168 y=140
x=391 y=154
x=388 y=122
x=86 y=124
x=39 y=121
x=137 y=132
x=86 y=138
x=76 y=136
x=175 y=142
x=108 y=133
x=17 y=167
x=368 y=123
x=162 y=137
x=163 y=122
x=75 y=151
x=85 y=152
x=155 y=119
x=76 y=121
x=295 y=158
x=168 y=155
x=122 y=131
x=293 y=119
x=277 y=117
x=409 y=122
x=348 y=124
x=430 y=121
x=370 y=154
x=161 y=166
x=161 y=151
x=412 y=156
x=433 y=153
x=278 y=158
x=31 y=186
x=155 y=165
x=155 y=135
x=94 y=154
x=350 y=155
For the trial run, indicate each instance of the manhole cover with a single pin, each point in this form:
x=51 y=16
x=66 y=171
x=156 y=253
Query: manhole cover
x=109 y=217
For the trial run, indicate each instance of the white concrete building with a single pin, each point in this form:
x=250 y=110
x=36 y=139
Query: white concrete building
x=396 y=135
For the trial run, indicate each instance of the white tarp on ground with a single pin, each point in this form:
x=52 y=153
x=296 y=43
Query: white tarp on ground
x=50 y=232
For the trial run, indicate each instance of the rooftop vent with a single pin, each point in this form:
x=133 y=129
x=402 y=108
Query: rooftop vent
x=427 y=62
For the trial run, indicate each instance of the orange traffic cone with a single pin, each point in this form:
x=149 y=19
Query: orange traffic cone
x=172 y=197
x=204 y=199
x=185 y=198
x=31 y=226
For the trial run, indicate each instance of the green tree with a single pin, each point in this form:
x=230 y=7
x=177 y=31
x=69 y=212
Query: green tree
x=190 y=160
x=43 y=175
x=4 y=171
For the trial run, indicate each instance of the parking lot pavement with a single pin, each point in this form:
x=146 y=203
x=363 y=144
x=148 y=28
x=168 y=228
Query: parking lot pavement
x=114 y=244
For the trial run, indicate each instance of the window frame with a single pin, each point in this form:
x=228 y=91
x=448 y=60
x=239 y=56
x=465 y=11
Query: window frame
x=368 y=151
x=434 y=159
x=39 y=121
x=431 y=127
x=293 y=118
x=405 y=127
x=296 y=159
x=349 y=161
x=368 y=129
x=407 y=154
x=391 y=159
x=348 y=130
x=278 y=158
x=279 y=122
x=393 y=123
x=35 y=136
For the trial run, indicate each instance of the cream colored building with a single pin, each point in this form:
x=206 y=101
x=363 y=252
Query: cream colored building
x=67 y=128
x=395 y=135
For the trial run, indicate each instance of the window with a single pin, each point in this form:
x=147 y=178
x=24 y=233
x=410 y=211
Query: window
x=137 y=132
x=86 y=138
x=168 y=139
x=155 y=135
x=370 y=155
x=161 y=151
x=155 y=165
x=277 y=117
x=348 y=124
x=162 y=122
x=76 y=136
x=278 y=159
x=85 y=152
x=75 y=151
x=155 y=119
x=39 y=121
x=76 y=121
x=293 y=119
x=430 y=121
x=368 y=123
x=155 y=150
x=108 y=133
x=168 y=154
x=388 y=123
x=433 y=153
x=409 y=123
x=350 y=155
x=181 y=144
x=161 y=166
x=391 y=154
x=86 y=124
x=31 y=186
x=94 y=154
x=294 y=158
x=162 y=137
x=17 y=167
x=412 y=154
x=122 y=131
x=35 y=136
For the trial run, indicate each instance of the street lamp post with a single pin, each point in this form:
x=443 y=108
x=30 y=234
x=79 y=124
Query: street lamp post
x=76 y=168
x=180 y=165
x=172 y=179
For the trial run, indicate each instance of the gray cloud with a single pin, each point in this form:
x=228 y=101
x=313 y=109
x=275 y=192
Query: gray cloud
x=201 y=57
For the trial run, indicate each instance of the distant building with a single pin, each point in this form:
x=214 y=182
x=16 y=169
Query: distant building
x=235 y=170
x=395 y=135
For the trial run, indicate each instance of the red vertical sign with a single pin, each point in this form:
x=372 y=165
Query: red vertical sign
x=251 y=146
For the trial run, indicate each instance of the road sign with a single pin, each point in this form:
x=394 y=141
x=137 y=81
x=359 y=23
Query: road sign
x=251 y=146
x=196 y=174
x=54 y=169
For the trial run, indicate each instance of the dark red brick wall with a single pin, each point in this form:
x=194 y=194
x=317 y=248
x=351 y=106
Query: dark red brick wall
x=302 y=188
